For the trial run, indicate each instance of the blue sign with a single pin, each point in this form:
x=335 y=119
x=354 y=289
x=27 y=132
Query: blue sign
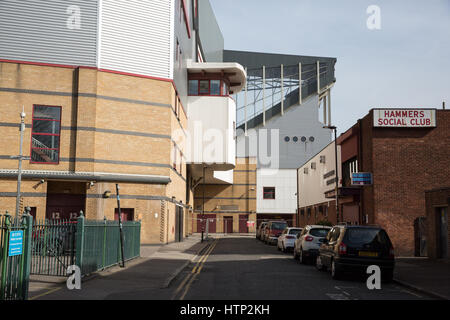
x=361 y=178
x=15 y=243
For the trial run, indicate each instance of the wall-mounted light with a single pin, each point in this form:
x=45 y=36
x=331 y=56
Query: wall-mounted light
x=91 y=184
x=107 y=194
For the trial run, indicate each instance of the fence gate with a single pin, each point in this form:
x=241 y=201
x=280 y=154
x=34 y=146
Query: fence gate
x=53 y=247
x=15 y=245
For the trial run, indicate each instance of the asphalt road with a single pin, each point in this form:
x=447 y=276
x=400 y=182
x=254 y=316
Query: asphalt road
x=244 y=268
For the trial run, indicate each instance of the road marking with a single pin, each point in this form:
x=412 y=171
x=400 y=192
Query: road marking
x=197 y=272
x=45 y=293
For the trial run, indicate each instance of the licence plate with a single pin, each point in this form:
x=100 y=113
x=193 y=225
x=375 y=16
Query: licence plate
x=367 y=254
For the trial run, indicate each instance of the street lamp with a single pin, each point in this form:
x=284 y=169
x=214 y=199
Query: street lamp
x=336 y=168
x=20 y=157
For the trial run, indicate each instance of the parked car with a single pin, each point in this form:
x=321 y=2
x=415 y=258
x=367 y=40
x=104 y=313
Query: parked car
x=349 y=248
x=259 y=231
x=273 y=230
x=287 y=238
x=306 y=246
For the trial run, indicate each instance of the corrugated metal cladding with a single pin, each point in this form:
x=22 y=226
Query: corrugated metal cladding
x=43 y=31
x=135 y=36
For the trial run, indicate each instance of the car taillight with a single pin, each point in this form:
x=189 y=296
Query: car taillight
x=309 y=238
x=290 y=237
x=342 y=249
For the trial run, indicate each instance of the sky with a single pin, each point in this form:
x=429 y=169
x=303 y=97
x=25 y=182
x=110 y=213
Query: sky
x=403 y=64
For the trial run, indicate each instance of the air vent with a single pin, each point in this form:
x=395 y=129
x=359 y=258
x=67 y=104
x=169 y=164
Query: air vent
x=231 y=207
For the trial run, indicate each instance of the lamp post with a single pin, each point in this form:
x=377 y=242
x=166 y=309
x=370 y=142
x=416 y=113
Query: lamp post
x=20 y=157
x=336 y=168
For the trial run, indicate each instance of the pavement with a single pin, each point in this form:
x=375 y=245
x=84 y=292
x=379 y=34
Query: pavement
x=152 y=272
x=424 y=275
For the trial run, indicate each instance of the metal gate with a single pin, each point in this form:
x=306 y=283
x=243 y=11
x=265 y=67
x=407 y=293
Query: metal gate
x=15 y=243
x=53 y=247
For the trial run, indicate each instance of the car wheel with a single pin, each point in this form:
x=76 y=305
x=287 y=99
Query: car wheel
x=335 y=272
x=319 y=264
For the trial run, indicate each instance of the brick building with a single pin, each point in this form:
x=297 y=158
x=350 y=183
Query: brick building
x=407 y=154
x=438 y=231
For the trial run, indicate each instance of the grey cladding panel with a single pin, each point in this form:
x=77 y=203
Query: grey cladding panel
x=37 y=31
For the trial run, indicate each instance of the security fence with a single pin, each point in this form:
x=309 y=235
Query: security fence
x=53 y=247
x=15 y=249
x=98 y=243
x=49 y=247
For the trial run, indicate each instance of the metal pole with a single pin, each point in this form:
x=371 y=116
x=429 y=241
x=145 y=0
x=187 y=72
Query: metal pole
x=19 y=173
x=318 y=77
x=329 y=106
x=337 y=174
x=264 y=96
x=245 y=103
x=203 y=203
x=299 y=83
x=282 y=95
x=120 y=225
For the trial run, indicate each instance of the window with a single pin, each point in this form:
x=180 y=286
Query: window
x=212 y=87
x=269 y=193
x=203 y=87
x=193 y=87
x=215 y=88
x=45 y=135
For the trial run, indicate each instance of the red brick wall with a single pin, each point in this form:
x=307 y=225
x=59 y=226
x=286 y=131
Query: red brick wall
x=405 y=162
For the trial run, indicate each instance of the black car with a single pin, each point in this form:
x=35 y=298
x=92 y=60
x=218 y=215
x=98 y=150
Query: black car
x=352 y=248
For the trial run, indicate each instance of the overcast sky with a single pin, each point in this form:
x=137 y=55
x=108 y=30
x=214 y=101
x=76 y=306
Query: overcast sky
x=405 y=64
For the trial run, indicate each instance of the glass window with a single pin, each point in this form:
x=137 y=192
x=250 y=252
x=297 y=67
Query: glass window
x=204 y=87
x=193 y=87
x=295 y=231
x=215 y=87
x=45 y=135
x=279 y=225
x=269 y=193
x=319 y=232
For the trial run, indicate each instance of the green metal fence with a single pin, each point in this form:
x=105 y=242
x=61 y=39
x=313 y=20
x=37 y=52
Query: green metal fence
x=15 y=265
x=53 y=247
x=100 y=243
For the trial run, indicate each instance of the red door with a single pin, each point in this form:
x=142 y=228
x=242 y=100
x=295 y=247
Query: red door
x=243 y=218
x=127 y=214
x=201 y=222
x=65 y=206
x=227 y=224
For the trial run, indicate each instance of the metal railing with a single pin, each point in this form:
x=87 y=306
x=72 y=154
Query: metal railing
x=53 y=247
x=100 y=243
x=15 y=245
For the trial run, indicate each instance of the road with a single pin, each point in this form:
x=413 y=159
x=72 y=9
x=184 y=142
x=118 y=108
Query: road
x=245 y=268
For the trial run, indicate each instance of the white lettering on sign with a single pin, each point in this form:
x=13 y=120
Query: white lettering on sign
x=408 y=118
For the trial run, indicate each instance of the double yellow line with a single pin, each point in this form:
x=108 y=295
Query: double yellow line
x=186 y=283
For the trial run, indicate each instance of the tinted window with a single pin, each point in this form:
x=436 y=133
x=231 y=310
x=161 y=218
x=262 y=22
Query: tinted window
x=295 y=231
x=279 y=225
x=193 y=87
x=361 y=236
x=215 y=87
x=319 y=232
x=204 y=87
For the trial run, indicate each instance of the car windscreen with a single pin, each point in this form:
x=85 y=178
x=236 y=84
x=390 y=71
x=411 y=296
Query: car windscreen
x=279 y=225
x=316 y=232
x=362 y=236
x=295 y=231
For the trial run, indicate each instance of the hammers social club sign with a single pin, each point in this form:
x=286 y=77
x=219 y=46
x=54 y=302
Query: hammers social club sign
x=408 y=118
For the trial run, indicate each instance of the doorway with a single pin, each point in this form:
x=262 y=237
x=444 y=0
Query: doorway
x=243 y=228
x=442 y=231
x=179 y=219
x=65 y=200
x=227 y=224
x=127 y=214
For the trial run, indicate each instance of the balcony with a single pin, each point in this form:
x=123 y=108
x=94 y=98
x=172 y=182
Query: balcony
x=212 y=118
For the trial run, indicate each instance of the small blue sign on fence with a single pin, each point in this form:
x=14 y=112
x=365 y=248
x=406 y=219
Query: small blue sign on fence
x=361 y=178
x=15 y=243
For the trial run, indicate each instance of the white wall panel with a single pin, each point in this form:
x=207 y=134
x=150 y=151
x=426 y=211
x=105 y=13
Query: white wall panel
x=136 y=36
x=285 y=183
x=37 y=31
